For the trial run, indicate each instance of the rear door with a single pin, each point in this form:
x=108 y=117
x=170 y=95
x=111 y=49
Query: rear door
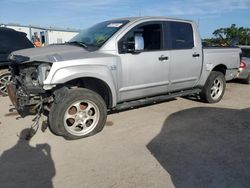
x=185 y=55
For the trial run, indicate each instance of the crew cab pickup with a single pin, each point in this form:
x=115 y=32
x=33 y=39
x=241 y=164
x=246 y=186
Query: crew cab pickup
x=114 y=65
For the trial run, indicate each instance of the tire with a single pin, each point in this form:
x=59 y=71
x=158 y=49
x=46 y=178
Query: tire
x=80 y=113
x=214 y=88
x=5 y=77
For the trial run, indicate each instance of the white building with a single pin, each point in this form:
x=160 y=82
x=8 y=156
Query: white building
x=46 y=35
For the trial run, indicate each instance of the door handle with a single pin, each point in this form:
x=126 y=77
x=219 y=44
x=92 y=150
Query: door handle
x=196 y=55
x=163 y=58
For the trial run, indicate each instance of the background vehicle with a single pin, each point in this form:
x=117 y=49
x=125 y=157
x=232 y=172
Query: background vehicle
x=245 y=65
x=118 y=64
x=10 y=40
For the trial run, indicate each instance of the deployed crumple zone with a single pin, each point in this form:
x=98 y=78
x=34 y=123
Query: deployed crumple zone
x=115 y=65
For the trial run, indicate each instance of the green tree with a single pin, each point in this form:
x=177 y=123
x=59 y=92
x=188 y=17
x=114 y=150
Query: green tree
x=225 y=36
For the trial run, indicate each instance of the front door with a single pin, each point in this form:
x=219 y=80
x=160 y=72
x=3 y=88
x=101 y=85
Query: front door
x=144 y=73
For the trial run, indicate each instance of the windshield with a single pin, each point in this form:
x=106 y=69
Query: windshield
x=96 y=36
x=246 y=52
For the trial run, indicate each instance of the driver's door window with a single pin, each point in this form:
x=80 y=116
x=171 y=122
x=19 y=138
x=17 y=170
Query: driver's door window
x=151 y=34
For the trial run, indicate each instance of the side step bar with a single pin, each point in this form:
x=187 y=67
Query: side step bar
x=156 y=99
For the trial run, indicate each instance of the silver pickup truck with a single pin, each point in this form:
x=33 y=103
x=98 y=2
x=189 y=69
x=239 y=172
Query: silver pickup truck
x=115 y=65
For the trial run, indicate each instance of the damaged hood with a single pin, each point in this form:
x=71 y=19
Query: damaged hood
x=51 y=53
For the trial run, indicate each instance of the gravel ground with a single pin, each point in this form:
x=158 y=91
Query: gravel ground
x=181 y=143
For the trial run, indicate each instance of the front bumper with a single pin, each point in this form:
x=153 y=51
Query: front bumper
x=25 y=103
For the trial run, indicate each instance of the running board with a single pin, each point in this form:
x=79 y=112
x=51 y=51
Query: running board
x=153 y=100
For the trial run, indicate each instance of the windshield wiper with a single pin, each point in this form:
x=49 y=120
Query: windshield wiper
x=77 y=43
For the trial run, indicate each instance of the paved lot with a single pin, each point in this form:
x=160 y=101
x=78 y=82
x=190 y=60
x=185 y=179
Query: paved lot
x=181 y=143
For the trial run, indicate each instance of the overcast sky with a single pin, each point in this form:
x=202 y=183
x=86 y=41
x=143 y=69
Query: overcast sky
x=79 y=14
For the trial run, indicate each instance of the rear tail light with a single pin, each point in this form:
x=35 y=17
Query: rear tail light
x=242 y=64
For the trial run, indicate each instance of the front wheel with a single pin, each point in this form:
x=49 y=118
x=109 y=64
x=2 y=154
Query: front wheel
x=214 y=88
x=81 y=113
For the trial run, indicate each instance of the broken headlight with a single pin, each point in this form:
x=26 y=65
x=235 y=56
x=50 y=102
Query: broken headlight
x=43 y=72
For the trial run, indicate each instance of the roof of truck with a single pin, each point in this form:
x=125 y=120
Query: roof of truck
x=152 y=17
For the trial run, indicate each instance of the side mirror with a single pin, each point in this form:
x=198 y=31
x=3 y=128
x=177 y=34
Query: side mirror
x=136 y=45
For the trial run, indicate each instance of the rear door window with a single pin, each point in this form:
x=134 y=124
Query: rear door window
x=180 y=35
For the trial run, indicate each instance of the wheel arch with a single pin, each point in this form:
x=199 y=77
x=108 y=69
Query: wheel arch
x=95 y=84
x=220 y=68
x=97 y=75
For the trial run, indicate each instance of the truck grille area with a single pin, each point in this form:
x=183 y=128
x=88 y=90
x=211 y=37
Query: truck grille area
x=24 y=90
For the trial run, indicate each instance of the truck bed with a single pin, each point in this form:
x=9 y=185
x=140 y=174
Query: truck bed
x=228 y=56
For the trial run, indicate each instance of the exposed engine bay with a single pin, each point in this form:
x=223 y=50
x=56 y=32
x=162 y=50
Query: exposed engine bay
x=26 y=88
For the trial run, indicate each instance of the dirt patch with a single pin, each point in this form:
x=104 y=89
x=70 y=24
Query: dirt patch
x=109 y=123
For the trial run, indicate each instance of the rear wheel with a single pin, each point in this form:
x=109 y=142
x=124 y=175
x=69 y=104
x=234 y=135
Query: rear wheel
x=5 y=77
x=81 y=113
x=214 y=88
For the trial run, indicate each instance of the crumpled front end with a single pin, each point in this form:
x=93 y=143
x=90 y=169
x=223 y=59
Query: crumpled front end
x=26 y=88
